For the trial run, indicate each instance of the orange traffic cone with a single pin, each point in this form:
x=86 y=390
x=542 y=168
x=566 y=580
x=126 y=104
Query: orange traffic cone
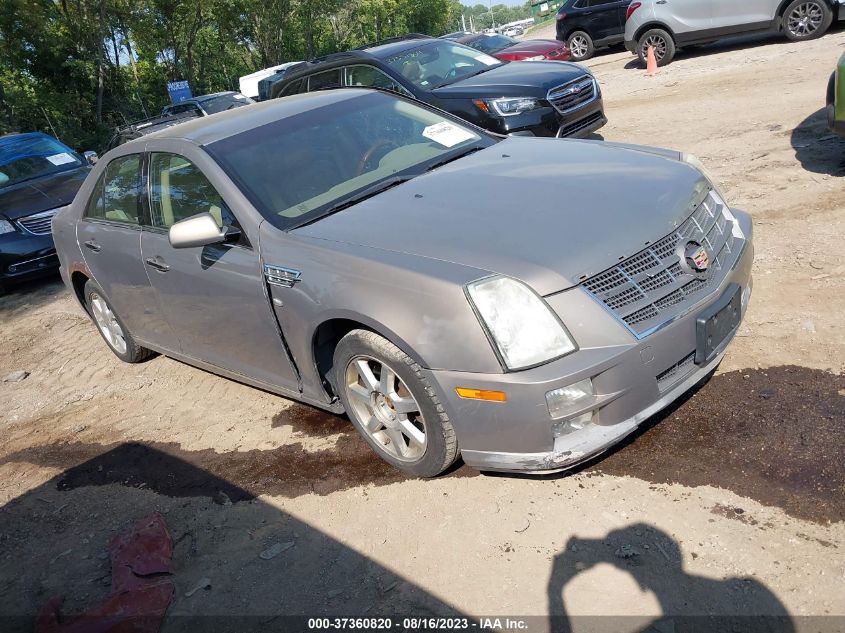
x=651 y=65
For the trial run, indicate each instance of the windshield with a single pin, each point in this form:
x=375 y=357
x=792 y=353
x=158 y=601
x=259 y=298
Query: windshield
x=225 y=102
x=27 y=156
x=439 y=63
x=297 y=169
x=492 y=43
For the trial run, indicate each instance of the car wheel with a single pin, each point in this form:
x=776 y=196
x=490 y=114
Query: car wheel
x=664 y=46
x=581 y=46
x=392 y=405
x=111 y=328
x=806 y=19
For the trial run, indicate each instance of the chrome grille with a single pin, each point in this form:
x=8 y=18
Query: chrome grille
x=38 y=224
x=651 y=287
x=573 y=95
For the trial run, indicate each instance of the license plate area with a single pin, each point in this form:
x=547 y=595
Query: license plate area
x=716 y=323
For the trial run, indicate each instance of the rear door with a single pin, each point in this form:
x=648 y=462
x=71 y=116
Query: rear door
x=686 y=18
x=730 y=16
x=109 y=236
x=214 y=296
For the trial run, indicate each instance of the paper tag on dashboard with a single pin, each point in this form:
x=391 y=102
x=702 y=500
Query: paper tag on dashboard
x=61 y=159
x=446 y=134
x=488 y=60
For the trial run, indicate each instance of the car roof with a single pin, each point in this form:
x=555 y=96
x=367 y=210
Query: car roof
x=209 y=129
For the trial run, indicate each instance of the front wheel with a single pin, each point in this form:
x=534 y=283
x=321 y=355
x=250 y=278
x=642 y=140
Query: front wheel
x=806 y=19
x=392 y=405
x=581 y=46
x=663 y=44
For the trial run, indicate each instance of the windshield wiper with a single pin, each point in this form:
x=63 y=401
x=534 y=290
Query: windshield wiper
x=367 y=192
x=453 y=157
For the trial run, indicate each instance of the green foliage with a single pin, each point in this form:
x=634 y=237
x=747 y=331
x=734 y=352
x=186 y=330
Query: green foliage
x=78 y=68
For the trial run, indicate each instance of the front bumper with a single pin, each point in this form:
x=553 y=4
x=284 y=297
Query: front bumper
x=548 y=122
x=633 y=379
x=25 y=256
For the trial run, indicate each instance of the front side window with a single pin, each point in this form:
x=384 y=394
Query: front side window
x=117 y=196
x=28 y=156
x=371 y=77
x=179 y=190
x=303 y=167
x=435 y=64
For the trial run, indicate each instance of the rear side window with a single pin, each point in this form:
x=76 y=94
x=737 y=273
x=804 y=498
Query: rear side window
x=179 y=190
x=327 y=79
x=294 y=88
x=117 y=196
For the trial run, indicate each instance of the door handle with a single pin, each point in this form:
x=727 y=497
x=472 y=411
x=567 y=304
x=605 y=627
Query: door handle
x=93 y=246
x=157 y=263
x=662 y=2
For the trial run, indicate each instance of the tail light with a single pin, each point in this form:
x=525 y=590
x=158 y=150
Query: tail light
x=561 y=16
x=631 y=8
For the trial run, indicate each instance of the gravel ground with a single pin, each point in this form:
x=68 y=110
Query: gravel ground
x=729 y=503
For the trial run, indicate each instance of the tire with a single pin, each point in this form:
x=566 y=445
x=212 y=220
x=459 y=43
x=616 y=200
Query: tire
x=583 y=43
x=664 y=46
x=111 y=327
x=399 y=400
x=806 y=20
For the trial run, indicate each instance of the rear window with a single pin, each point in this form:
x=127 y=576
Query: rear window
x=27 y=156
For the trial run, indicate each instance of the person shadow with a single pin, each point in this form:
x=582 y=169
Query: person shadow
x=689 y=603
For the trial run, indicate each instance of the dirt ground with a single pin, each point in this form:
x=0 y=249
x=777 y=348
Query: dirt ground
x=729 y=503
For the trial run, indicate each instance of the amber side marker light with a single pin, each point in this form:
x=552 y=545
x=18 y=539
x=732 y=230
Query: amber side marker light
x=480 y=394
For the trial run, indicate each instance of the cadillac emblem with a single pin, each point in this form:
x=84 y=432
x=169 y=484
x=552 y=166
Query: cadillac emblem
x=696 y=257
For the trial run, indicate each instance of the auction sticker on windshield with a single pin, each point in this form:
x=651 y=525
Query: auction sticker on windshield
x=61 y=159
x=446 y=134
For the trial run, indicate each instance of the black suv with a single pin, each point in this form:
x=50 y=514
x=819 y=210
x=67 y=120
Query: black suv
x=586 y=25
x=520 y=98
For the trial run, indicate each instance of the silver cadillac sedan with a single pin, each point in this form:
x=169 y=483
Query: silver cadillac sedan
x=521 y=303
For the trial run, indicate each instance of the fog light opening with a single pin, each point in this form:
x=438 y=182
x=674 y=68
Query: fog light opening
x=565 y=427
x=568 y=400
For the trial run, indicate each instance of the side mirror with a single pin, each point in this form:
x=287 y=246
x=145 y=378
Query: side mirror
x=91 y=157
x=199 y=230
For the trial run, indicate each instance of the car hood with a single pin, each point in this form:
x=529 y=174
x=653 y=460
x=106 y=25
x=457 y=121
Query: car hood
x=548 y=212
x=41 y=194
x=532 y=79
x=533 y=47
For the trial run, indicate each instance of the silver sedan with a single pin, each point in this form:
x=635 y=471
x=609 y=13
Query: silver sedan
x=521 y=303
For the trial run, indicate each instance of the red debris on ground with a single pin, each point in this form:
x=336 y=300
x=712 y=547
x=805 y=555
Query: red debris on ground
x=141 y=586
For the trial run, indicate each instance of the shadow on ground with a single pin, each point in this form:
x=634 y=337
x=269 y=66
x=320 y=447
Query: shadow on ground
x=817 y=148
x=20 y=297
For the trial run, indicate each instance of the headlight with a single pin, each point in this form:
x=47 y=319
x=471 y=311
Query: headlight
x=521 y=325
x=509 y=106
x=6 y=227
x=693 y=161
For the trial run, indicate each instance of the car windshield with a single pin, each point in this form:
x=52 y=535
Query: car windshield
x=224 y=102
x=27 y=156
x=492 y=43
x=438 y=63
x=301 y=168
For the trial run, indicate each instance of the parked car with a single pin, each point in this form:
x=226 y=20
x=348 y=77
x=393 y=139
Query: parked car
x=667 y=26
x=249 y=84
x=513 y=31
x=528 y=98
x=587 y=25
x=265 y=86
x=836 y=99
x=137 y=129
x=511 y=50
x=208 y=104
x=425 y=277
x=38 y=176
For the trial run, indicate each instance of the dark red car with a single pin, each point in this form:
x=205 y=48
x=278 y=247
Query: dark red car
x=510 y=50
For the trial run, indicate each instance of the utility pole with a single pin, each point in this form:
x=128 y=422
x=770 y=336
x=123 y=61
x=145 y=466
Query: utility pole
x=463 y=22
x=492 y=19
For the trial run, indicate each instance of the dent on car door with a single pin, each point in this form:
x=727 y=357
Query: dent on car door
x=109 y=235
x=213 y=296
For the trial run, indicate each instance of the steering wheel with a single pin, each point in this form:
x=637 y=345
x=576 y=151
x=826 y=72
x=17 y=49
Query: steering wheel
x=368 y=155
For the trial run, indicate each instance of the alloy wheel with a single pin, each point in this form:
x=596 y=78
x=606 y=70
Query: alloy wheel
x=385 y=408
x=659 y=45
x=805 y=19
x=107 y=322
x=578 y=46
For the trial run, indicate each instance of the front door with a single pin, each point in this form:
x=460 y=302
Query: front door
x=109 y=236
x=214 y=296
x=730 y=16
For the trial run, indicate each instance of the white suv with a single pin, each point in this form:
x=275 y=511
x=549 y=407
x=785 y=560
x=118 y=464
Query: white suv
x=667 y=25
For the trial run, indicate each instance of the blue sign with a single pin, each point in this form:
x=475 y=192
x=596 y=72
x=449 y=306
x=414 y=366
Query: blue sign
x=178 y=91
